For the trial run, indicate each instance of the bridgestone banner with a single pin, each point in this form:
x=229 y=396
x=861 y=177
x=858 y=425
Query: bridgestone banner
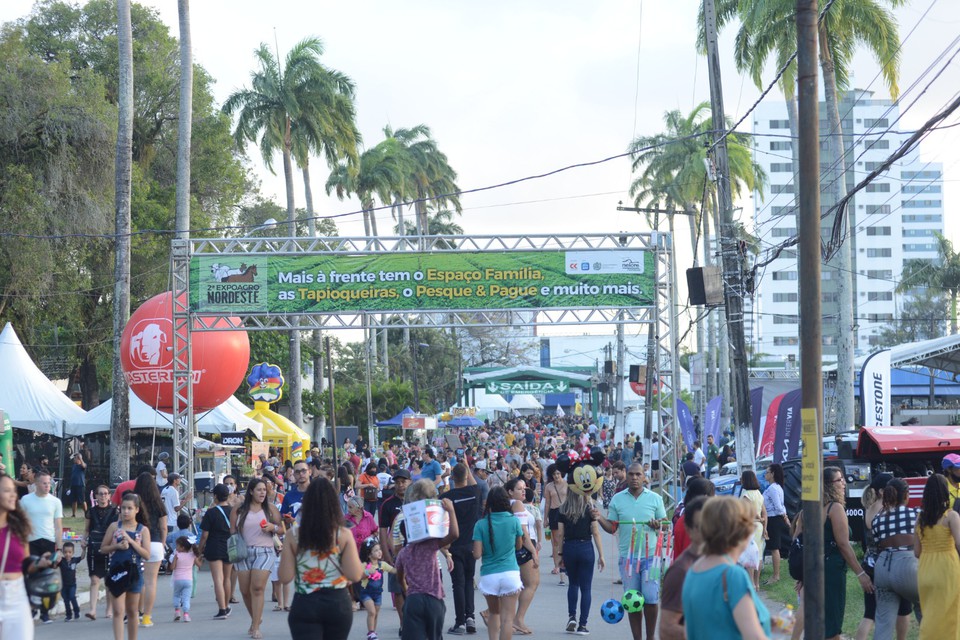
x=875 y=389
x=332 y=283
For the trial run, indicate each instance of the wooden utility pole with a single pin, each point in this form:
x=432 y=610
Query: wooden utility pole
x=120 y=411
x=811 y=379
x=731 y=255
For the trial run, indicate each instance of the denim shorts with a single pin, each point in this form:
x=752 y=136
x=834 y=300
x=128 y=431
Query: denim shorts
x=504 y=583
x=637 y=581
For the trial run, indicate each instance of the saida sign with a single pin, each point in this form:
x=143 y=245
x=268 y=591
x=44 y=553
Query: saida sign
x=527 y=386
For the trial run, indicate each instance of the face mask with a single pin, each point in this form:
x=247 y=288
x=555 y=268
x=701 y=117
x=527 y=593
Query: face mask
x=231 y=488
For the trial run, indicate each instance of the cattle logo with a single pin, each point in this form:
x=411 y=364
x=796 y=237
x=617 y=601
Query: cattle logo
x=225 y=273
x=148 y=344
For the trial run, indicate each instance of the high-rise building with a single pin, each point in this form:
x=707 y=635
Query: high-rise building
x=892 y=220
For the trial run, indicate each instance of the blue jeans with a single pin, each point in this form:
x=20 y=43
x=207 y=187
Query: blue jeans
x=69 y=593
x=578 y=558
x=181 y=594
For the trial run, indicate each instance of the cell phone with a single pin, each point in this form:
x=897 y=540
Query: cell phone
x=55 y=558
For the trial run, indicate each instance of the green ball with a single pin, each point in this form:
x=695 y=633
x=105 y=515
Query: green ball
x=632 y=601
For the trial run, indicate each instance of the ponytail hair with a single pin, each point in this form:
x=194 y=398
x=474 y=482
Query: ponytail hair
x=895 y=493
x=497 y=501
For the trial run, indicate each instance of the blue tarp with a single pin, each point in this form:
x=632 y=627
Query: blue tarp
x=465 y=421
x=397 y=420
x=551 y=400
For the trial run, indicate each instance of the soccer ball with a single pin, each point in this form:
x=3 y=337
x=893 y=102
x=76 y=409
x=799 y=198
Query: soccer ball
x=611 y=611
x=632 y=601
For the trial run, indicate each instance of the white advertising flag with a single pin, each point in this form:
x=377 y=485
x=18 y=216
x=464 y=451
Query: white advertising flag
x=875 y=390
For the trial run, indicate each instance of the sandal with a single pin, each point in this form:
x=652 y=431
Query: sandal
x=555 y=571
x=522 y=632
x=286 y=608
x=256 y=635
x=92 y=616
x=278 y=608
x=483 y=616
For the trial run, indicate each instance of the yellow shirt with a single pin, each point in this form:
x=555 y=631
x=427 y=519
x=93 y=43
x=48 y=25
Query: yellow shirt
x=954 y=492
x=508 y=438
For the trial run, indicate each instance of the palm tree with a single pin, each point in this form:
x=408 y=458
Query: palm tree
x=941 y=276
x=439 y=223
x=379 y=172
x=428 y=174
x=768 y=28
x=673 y=173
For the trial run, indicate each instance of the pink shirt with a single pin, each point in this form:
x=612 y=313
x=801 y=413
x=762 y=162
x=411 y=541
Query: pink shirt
x=15 y=554
x=184 y=568
x=253 y=535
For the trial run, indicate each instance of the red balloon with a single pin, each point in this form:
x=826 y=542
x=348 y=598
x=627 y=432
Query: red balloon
x=220 y=358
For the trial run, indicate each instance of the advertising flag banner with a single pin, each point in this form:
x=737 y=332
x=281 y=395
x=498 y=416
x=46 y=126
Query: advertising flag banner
x=786 y=444
x=769 y=428
x=756 y=405
x=875 y=390
x=711 y=425
x=685 y=420
x=415 y=281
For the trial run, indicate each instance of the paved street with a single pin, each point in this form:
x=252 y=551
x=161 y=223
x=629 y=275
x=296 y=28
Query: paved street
x=547 y=616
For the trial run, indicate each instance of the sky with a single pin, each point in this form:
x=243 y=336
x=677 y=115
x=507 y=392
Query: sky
x=514 y=89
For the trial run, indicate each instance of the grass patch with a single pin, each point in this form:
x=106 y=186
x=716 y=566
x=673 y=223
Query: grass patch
x=783 y=593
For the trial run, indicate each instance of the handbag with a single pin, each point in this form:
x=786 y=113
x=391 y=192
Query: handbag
x=236 y=545
x=277 y=544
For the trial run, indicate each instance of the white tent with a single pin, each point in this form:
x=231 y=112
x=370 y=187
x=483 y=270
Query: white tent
x=229 y=416
x=491 y=401
x=30 y=399
x=525 y=402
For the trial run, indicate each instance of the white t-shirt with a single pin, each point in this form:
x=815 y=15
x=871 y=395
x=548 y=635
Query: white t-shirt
x=42 y=513
x=171 y=500
x=385 y=480
x=655 y=450
x=699 y=458
x=161 y=474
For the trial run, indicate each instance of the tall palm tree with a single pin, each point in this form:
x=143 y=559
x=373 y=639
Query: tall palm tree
x=379 y=172
x=672 y=168
x=941 y=276
x=768 y=28
x=280 y=100
x=428 y=174
x=439 y=223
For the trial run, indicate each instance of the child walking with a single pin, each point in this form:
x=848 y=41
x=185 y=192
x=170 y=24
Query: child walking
x=68 y=580
x=185 y=558
x=371 y=586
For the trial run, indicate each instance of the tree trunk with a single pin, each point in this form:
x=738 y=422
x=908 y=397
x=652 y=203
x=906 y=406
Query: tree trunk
x=120 y=412
x=319 y=385
x=844 y=418
x=366 y=223
x=185 y=124
x=308 y=198
x=89 y=384
x=723 y=355
x=385 y=346
x=399 y=209
x=294 y=379
x=953 y=313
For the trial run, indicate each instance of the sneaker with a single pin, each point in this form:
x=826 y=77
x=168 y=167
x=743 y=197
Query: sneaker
x=372 y=635
x=68 y=619
x=471 y=625
x=221 y=614
x=457 y=630
x=176 y=615
x=46 y=620
x=228 y=610
x=582 y=630
x=146 y=621
x=572 y=625
x=186 y=617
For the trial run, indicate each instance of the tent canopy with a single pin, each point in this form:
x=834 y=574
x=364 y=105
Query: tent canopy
x=30 y=399
x=229 y=416
x=397 y=420
x=465 y=421
x=523 y=401
x=939 y=353
x=491 y=402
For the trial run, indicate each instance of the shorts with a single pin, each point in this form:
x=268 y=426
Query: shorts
x=778 y=532
x=156 y=552
x=393 y=584
x=654 y=465
x=258 y=559
x=372 y=594
x=75 y=496
x=553 y=518
x=504 y=583
x=637 y=581
x=97 y=564
x=275 y=571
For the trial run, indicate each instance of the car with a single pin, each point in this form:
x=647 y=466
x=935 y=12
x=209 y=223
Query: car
x=727 y=481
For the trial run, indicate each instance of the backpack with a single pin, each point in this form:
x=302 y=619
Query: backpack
x=795 y=559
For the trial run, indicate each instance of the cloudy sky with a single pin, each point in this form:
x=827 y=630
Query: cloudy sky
x=517 y=88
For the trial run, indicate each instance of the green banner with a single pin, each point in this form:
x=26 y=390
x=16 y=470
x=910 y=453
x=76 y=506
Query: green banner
x=333 y=283
x=527 y=386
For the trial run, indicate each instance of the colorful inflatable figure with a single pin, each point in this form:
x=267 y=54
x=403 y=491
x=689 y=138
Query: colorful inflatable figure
x=266 y=382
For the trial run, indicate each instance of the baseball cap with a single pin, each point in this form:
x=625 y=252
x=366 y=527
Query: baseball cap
x=481 y=465
x=268 y=468
x=401 y=473
x=173 y=476
x=880 y=481
x=951 y=460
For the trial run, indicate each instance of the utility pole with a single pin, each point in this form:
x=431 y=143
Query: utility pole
x=620 y=423
x=731 y=255
x=811 y=331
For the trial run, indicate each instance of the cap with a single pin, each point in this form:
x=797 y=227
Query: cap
x=951 y=460
x=481 y=465
x=401 y=473
x=173 y=476
x=269 y=468
x=880 y=480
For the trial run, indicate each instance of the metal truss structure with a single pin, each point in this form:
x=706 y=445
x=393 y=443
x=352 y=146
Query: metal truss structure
x=662 y=313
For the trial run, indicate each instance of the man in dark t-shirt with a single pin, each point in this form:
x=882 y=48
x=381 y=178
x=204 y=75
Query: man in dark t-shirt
x=389 y=510
x=465 y=497
x=690 y=468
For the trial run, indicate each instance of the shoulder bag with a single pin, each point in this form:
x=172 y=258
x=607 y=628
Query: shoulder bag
x=236 y=545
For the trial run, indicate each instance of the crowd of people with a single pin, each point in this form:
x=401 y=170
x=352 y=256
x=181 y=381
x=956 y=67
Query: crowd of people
x=334 y=535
